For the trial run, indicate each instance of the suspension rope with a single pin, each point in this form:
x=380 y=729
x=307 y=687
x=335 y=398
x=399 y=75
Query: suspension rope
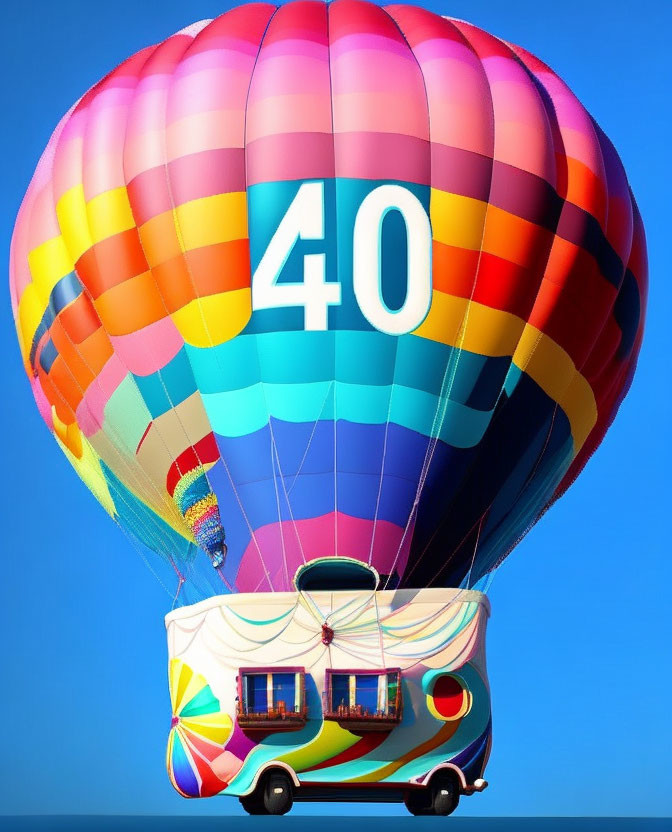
x=382 y=463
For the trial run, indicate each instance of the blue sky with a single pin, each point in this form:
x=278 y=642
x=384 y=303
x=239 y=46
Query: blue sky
x=579 y=656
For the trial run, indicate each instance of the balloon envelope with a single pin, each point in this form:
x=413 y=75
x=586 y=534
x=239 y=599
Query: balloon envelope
x=329 y=280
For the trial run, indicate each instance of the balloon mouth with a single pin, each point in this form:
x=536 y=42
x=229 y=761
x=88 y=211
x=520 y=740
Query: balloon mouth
x=335 y=573
x=174 y=721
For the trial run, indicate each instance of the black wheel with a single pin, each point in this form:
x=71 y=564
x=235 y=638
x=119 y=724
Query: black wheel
x=418 y=802
x=278 y=793
x=253 y=803
x=445 y=793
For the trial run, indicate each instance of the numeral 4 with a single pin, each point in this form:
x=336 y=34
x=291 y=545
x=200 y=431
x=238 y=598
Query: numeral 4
x=304 y=220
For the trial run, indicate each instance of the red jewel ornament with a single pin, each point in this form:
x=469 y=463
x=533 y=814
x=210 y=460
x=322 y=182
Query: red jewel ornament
x=327 y=634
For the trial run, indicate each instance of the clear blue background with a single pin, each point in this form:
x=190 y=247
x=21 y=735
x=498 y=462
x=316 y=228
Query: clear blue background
x=579 y=655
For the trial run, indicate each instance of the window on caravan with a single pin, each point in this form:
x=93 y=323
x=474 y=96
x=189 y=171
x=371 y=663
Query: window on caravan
x=370 y=698
x=271 y=698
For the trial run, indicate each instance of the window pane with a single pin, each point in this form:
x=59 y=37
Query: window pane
x=257 y=696
x=284 y=689
x=340 y=691
x=392 y=688
x=366 y=693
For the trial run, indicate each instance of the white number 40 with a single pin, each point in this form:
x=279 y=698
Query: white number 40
x=304 y=220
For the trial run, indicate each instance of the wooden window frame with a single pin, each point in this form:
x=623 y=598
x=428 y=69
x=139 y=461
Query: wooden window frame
x=358 y=721
x=273 y=720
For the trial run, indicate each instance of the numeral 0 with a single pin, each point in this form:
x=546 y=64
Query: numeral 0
x=304 y=220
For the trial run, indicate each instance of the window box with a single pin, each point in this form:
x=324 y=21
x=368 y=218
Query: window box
x=271 y=698
x=363 y=700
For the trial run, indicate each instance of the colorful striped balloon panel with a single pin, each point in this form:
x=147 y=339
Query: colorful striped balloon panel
x=193 y=276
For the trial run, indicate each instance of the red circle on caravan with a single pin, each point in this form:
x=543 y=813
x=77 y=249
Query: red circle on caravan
x=449 y=696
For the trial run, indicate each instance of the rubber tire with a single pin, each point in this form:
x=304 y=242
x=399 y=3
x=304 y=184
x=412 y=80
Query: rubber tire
x=277 y=803
x=253 y=803
x=418 y=802
x=445 y=794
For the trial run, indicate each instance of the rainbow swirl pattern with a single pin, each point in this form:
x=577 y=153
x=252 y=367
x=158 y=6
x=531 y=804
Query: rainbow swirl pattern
x=199 y=731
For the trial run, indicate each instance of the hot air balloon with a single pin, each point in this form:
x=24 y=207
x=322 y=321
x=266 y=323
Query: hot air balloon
x=327 y=304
